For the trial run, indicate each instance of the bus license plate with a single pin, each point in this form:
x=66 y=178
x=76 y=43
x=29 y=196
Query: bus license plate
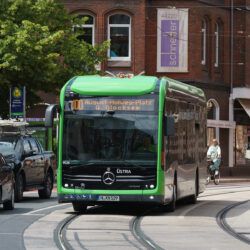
x=108 y=198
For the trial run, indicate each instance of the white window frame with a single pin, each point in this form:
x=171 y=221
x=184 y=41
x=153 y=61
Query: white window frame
x=217 y=45
x=217 y=116
x=204 y=45
x=88 y=26
x=117 y=58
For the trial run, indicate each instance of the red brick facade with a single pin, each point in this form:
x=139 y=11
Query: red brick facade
x=215 y=81
x=101 y=10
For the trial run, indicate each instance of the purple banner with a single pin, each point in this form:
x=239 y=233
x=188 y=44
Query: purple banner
x=169 y=43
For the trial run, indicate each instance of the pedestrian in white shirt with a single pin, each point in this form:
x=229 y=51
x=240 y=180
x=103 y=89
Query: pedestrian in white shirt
x=214 y=153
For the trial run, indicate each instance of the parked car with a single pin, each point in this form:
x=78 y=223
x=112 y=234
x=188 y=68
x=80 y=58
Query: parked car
x=33 y=167
x=6 y=184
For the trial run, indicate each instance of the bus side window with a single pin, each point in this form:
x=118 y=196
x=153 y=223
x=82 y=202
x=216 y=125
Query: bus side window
x=171 y=142
x=191 y=136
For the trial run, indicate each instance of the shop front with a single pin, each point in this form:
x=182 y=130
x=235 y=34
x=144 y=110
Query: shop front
x=240 y=143
x=242 y=132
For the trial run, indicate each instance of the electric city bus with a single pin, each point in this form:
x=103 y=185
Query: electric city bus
x=131 y=140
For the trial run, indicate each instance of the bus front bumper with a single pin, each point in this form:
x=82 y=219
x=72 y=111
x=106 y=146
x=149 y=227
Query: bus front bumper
x=96 y=199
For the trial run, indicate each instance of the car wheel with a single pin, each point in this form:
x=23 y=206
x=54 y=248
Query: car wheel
x=10 y=204
x=19 y=187
x=45 y=193
x=79 y=207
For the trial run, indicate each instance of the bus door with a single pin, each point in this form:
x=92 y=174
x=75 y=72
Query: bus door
x=170 y=144
x=187 y=148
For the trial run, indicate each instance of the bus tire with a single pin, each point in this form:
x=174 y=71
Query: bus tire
x=79 y=207
x=193 y=198
x=170 y=207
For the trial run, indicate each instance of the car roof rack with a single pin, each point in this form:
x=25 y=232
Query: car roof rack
x=14 y=127
x=13 y=123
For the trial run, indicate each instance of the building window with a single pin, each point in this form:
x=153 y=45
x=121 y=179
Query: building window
x=204 y=42
x=87 y=30
x=217 y=44
x=213 y=113
x=119 y=34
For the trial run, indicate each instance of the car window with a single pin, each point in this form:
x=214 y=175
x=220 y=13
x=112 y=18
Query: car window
x=34 y=145
x=26 y=146
x=6 y=148
x=2 y=161
x=18 y=148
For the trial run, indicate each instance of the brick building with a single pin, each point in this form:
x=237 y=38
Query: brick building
x=186 y=40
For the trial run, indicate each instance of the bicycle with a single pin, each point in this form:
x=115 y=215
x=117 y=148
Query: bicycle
x=213 y=174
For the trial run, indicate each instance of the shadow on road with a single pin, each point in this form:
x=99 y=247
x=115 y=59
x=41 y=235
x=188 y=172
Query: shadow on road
x=203 y=208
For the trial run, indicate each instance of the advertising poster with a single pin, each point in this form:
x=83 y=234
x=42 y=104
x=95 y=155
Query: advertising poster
x=172 y=40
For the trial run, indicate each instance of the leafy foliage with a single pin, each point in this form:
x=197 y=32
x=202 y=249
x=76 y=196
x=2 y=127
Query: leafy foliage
x=39 y=49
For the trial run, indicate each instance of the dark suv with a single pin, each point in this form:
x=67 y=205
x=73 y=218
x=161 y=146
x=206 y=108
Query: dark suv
x=6 y=184
x=33 y=167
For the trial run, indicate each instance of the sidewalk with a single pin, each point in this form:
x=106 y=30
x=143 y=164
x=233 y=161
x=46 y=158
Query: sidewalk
x=235 y=174
x=234 y=179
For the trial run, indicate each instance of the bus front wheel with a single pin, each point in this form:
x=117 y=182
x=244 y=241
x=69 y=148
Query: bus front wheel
x=79 y=207
x=170 y=207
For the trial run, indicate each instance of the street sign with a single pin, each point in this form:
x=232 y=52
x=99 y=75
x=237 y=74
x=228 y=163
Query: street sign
x=17 y=102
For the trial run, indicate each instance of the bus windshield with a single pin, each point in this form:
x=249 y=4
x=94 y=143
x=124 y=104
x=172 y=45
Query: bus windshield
x=111 y=133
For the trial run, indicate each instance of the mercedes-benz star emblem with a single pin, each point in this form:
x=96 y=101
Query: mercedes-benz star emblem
x=108 y=178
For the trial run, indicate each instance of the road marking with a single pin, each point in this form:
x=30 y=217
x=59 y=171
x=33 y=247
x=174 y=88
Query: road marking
x=10 y=234
x=45 y=208
x=34 y=214
x=26 y=214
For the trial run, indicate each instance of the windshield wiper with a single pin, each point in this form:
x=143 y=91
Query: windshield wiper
x=76 y=163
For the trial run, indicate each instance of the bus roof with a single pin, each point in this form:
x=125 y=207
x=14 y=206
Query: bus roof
x=138 y=85
x=185 y=88
x=102 y=85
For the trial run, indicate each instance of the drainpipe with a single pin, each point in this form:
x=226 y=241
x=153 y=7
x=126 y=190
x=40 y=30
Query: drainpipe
x=231 y=99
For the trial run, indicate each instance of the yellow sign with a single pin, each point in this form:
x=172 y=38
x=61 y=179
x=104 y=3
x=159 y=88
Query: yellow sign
x=17 y=92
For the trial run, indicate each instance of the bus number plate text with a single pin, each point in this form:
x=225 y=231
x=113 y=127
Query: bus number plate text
x=108 y=198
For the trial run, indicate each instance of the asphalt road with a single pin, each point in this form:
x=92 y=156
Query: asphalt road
x=45 y=224
x=13 y=223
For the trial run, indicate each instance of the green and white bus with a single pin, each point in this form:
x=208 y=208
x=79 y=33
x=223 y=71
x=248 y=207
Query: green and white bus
x=131 y=140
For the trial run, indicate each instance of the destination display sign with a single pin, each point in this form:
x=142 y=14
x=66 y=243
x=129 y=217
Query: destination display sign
x=111 y=104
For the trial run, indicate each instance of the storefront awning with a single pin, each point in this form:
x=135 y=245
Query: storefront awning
x=245 y=103
x=220 y=124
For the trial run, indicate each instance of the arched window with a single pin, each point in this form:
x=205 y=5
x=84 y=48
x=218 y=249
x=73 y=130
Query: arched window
x=204 y=42
x=213 y=113
x=87 y=29
x=213 y=110
x=217 y=35
x=119 y=34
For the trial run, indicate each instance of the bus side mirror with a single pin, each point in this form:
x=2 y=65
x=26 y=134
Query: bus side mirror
x=49 y=115
x=169 y=121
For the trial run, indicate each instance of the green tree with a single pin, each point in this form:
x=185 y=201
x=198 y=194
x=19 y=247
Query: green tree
x=39 y=49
